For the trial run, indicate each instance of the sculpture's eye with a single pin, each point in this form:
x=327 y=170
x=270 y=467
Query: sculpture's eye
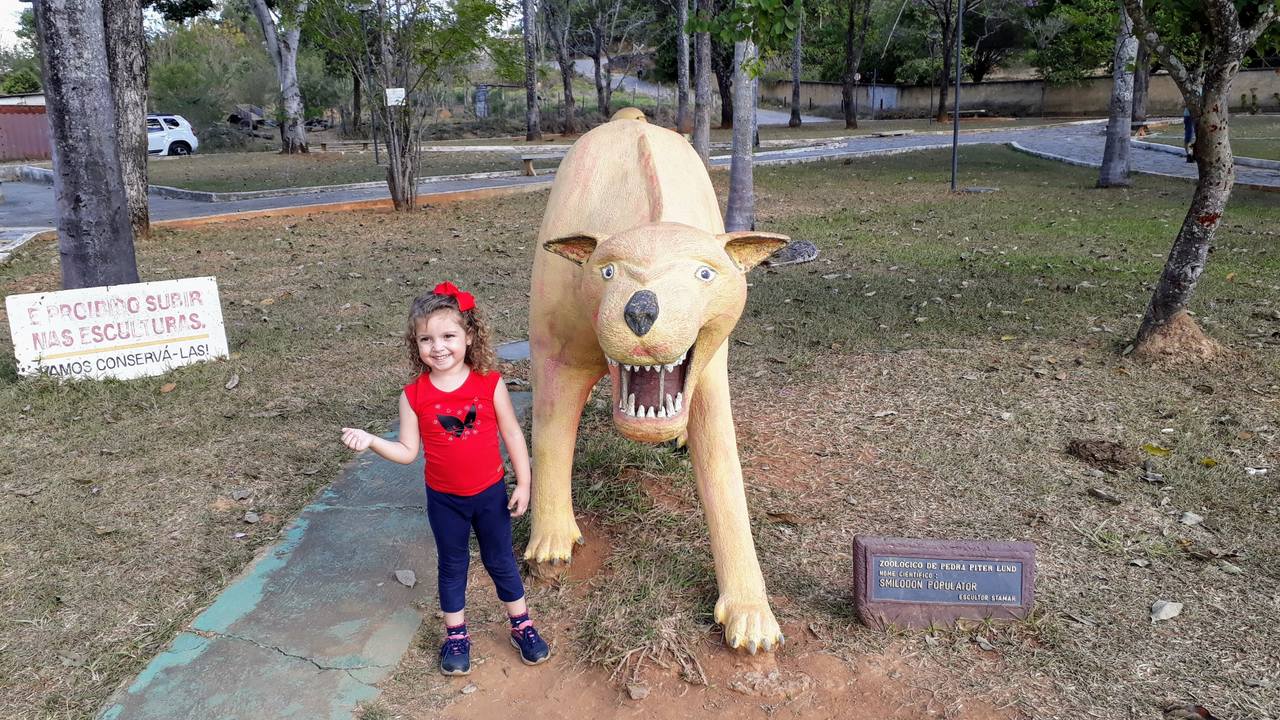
x=706 y=274
x=607 y=271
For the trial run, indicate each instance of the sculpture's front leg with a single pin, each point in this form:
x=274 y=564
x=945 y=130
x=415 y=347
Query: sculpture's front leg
x=560 y=391
x=743 y=607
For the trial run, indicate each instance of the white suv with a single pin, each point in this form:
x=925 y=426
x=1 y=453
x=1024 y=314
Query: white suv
x=170 y=135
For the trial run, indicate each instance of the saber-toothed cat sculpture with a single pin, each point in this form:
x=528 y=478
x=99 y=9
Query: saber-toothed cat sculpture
x=635 y=276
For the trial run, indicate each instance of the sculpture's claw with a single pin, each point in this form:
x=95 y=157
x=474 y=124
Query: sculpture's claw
x=552 y=542
x=748 y=624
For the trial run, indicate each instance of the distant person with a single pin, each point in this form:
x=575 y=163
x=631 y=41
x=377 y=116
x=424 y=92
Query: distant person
x=1189 y=134
x=456 y=408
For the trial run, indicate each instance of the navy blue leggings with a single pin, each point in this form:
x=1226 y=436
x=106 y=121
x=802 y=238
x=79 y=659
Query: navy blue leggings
x=452 y=519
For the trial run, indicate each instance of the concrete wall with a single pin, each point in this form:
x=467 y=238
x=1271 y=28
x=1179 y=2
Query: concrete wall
x=1019 y=97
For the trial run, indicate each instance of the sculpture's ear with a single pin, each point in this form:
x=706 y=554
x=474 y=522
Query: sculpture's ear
x=577 y=247
x=749 y=248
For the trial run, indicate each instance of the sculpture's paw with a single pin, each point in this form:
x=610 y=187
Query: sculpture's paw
x=553 y=542
x=748 y=623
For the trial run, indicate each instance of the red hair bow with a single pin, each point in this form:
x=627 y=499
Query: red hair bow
x=466 y=300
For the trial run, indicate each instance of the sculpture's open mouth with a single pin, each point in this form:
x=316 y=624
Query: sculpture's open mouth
x=651 y=391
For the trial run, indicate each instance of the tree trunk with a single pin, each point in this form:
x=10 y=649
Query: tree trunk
x=1190 y=251
x=127 y=64
x=702 y=97
x=557 y=19
x=947 y=70
x=796 y=47
x=95 y=241
x=355 y=102
x=740 y=214
x=282 y=46
x=401 y=178
x=1115 y=155
x=684 y=121
x=566 y=78
x=602 y=82
x=1141 y=80
x=724 y=82
x=532 y=121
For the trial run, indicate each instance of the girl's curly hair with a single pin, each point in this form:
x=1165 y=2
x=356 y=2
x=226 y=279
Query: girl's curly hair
x=480 y=356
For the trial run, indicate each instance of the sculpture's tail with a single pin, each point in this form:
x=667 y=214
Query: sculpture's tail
x=629 y=113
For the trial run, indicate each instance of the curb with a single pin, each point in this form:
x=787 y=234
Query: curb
x=1084 y=163
x=218 y=197
x=378 y=204
x=1175 y=150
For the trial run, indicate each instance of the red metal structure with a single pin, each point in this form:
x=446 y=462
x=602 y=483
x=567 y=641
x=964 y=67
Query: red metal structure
x=24 y=133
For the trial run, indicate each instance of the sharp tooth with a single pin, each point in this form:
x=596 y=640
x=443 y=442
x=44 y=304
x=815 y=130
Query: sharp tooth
x=671 y=406
x=650 y=412
x=631 y=405
x=662 y=412
x=679 y=401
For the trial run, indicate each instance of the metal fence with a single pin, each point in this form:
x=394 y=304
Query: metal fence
x=24 y=133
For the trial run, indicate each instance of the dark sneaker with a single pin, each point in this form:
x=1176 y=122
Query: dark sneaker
x=455 y=656
x=533 y=649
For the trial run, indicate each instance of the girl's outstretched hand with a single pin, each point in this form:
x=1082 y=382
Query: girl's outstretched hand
x=356 y=439
x=519 y=501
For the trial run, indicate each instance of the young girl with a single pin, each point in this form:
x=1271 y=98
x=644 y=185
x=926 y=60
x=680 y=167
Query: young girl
x=457 y=408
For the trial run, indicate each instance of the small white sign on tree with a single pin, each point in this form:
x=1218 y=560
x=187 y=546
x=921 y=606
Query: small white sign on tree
x=117 y=331
x=395 y=96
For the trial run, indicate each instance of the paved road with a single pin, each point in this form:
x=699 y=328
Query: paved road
x=627 y=83
x=30 y=207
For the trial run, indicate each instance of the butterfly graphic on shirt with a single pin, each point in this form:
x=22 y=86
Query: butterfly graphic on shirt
x=457 y=427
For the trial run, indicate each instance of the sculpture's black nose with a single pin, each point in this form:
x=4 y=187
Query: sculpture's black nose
x=641 y=311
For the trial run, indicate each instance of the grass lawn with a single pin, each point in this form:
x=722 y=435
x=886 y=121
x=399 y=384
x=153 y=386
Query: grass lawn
x=1255 y=136
x=921 y=379
x=239 y=172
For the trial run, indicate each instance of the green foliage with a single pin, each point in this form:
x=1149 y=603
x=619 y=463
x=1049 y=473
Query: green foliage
x=770 y=24
x=20 y=82
x=322 y=88
x=1073 y=38
x=204 y=69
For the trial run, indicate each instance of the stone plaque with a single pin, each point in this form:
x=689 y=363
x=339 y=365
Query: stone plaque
x=916 y=583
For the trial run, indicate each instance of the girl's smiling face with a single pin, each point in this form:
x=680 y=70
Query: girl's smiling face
x=442 y=341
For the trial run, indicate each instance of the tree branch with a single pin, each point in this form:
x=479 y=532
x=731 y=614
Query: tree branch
x=1147 y=34
x=1251 y=34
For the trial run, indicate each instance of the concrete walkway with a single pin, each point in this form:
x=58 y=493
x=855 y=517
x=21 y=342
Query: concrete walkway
x=312 y=625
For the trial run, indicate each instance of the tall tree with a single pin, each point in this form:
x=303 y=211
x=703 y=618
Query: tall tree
x=741 y=211
x=855 y=40
x=684 y=121
x=702 y=96
x=1115 y=154
x=95 y=241
x=722 y=66
x=1203 y=76
x=1141 y=81
x=411 y=45
x=557 y=15
x=945 y=13
x=532 y=119
x=797 y=47
x=282 y=33
x=127 y=65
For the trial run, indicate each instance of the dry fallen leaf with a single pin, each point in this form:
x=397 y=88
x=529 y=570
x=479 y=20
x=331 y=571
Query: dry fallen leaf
x=785 y=517
x=234 y=381
x=1158 y=451
x=168 y=387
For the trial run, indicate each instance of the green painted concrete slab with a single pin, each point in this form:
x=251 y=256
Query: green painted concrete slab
x=315 y=621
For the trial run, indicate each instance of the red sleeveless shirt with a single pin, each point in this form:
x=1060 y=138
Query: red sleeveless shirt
x=459 y=432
